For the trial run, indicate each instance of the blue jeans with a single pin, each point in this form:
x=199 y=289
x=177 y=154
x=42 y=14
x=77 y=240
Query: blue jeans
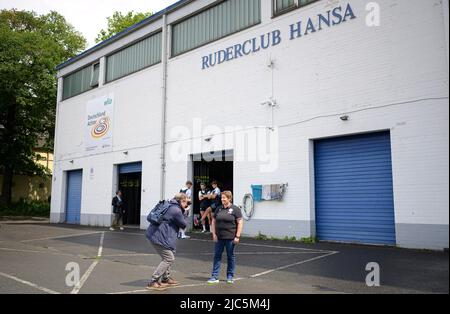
x=220 y=246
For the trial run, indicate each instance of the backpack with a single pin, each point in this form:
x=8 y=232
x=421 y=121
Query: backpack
x=156 y=216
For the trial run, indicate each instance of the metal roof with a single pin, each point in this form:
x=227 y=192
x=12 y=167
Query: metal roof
x=122 y=34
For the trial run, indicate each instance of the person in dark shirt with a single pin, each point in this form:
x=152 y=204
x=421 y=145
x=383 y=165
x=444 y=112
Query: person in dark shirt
x=203 y=196
x=118 y=211
x=226 y=228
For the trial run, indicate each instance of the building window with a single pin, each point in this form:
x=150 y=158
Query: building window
x=95 y=74
x=221 y=20
x=79 y=81
x=136 y=57
x=283 y=6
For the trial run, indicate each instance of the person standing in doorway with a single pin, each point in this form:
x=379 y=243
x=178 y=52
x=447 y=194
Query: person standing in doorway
x=203 y=197
x=187 y=190
x=163 y=237
x=226 y=228
x=118 y=211
x=214 y=202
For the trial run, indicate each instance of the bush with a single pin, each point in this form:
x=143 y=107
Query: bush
x=261 y=236
x=26 y=208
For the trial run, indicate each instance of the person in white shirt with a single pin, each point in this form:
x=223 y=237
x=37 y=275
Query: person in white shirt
x=187 y=190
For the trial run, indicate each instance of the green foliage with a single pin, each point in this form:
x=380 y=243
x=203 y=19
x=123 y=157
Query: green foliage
x=263 y=237
x=26 y=208
x=31 y=46
x=310 y=240
x=119 y=22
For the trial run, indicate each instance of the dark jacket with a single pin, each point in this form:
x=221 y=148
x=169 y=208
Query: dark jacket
x=166 y=234
x=118 y=207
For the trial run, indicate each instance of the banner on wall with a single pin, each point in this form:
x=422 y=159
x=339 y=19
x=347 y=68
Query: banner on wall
x=99 y=118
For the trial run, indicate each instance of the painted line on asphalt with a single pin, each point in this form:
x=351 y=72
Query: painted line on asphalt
x=238 y=279
x=55 y=252
x=49 y=291
x=291 y=265
x=271 y=246
x=62 y=237
x=210 y=254
x=91 y=268
x=245 y=244
x=22 y=251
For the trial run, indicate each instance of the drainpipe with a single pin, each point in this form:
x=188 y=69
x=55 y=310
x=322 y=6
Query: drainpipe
x=163 y=107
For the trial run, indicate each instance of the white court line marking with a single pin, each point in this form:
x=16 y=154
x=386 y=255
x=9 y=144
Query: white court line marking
x=17 y=250
x=271 y=246
x=57 y=253
x=62 y=236
x=86 y=275
x=211 y=254
x=291 y=265
x=248 y=244
x=49 y=291
x=239 y=279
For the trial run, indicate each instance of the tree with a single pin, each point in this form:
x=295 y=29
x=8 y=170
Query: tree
x=31 y=46
x=119 y=22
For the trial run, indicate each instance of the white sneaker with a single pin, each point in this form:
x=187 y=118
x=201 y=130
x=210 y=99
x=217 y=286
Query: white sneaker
x=122 y=229
x=111 y=229
x=186 y=237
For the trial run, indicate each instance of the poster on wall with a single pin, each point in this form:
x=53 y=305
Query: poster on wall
x=99 y=118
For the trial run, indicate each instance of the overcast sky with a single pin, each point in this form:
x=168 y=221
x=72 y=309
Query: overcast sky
x=87 y=16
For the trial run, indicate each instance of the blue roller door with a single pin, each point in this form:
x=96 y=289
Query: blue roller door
x=354 y=190
x=130 y=168
x=73 y=199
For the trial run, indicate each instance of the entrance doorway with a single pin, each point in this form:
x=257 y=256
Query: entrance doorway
x=130 y=182
x=221 y=169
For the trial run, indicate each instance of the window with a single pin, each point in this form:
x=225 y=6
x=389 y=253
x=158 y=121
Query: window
x=136 y=57
x=282 y=6
x=95 y=74
x=80 y=81
x=221 y=20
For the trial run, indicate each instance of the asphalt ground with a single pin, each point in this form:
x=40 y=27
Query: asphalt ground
x=37 y=257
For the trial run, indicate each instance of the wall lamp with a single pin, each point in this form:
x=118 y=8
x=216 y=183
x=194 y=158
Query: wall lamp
x=345 y=118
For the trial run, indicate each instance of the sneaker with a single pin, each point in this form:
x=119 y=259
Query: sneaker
x=213 y=281
x=230 y=280
x=122 y=228
x=169 y=283
x=185 y=237
x=155 y=286
x=111 y=229
x=204 y=231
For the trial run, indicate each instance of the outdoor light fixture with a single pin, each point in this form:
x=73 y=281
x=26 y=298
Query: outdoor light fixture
x=345 y=118
x=208 y=139
x=125 y=153
x=72 y=161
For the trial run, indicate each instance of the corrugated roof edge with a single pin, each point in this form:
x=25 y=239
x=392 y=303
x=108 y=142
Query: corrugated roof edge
x=112 y=39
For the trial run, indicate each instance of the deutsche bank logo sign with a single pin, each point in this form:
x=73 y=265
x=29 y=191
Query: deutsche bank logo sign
x=329 y=19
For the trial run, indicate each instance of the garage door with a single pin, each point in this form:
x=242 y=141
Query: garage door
x=354 y=190
x=73 y=199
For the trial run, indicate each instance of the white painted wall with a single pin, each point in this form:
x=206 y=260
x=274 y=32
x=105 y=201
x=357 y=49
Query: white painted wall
x=394 y=77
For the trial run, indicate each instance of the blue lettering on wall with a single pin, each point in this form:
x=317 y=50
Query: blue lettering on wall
x=296 y=30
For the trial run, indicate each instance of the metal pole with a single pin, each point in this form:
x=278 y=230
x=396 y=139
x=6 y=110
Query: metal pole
x=163 y=108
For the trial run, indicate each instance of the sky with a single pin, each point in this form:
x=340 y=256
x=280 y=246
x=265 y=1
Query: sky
x=87 y=16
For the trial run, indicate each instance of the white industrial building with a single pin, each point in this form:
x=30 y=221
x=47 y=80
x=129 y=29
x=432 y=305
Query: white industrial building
x=343 y=103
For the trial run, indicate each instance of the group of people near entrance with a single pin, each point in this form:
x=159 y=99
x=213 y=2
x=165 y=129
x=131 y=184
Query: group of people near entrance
x=226 y=226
